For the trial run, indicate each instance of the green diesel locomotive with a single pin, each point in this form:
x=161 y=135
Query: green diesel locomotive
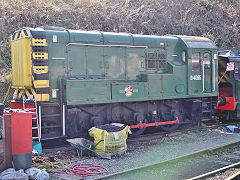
x=79 y=79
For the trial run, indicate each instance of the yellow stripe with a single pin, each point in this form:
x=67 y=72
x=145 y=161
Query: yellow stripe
x=27 y=92
x=16 y=91
x=40 y=69
x=28 y=32
x=39 y=42
x=15 y=38
x=20 y=93
x=41 y=83
x=45 y=97
x=22 y=35
x=40 y=55
x=33 y=92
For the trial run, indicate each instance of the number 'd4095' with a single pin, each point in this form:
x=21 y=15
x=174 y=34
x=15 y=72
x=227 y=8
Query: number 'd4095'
x=195 y=77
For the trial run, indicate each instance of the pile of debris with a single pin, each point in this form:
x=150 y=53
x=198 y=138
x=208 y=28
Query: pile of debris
x=31 y=173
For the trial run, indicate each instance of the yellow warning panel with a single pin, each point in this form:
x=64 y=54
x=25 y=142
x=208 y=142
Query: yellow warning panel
x=40 y=69
x=41 y=83
x=42 y=97
x=40 y=55
x=21 y=62
x=45 y=97
x=39 y=42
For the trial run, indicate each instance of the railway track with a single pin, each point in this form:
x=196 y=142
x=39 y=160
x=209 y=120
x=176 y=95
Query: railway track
x=234 y=176
x=187 y=166
x=213 y=173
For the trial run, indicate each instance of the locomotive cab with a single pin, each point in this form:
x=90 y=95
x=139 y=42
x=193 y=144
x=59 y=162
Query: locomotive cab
x=202 y=66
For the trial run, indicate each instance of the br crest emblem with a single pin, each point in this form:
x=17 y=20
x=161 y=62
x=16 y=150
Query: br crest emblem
x=128 y=91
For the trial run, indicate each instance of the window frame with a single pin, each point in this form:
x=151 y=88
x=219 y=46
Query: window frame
x=207 y=65
x=160 y=62
x=184 y=56
x=153 y=58
x=196 y=62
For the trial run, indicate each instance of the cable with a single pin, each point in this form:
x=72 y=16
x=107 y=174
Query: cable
x=83 y=170
x=50 y=165
x=57 y=165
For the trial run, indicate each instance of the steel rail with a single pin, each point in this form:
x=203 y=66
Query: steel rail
x=215 y=171
x=236 y=175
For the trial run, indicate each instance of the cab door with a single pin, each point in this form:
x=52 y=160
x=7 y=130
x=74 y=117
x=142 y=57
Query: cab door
x=206 y=72
x=194 y=72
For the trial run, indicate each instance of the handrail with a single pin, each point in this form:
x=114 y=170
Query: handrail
x=214 y=78
x=203 y=76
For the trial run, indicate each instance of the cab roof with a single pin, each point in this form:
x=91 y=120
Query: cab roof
x=197 y=42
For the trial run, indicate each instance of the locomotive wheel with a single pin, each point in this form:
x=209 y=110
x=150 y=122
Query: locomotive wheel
x=169 y=128
x=137 y=132
x=172 y=127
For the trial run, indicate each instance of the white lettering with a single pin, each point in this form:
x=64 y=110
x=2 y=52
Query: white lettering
x=195 y=77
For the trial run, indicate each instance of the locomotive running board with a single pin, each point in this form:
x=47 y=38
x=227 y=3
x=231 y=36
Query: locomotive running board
x=141 y=125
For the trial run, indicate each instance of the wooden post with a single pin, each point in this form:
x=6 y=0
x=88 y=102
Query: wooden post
x=5 y=143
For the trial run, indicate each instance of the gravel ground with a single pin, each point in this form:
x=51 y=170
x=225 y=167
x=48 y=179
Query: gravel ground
x=143 y=153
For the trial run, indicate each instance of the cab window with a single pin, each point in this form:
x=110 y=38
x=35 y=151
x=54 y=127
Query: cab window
x=196 y=61
x=206 y=59
x=184 y=56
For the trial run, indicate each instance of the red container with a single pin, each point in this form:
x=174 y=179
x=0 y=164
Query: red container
x=21 y=131
x=19 y=105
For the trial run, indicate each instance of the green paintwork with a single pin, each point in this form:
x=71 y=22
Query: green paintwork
x=96 y=67
x=76 y=61
x=86 y=91
x=114 y=62
x=57 y=59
